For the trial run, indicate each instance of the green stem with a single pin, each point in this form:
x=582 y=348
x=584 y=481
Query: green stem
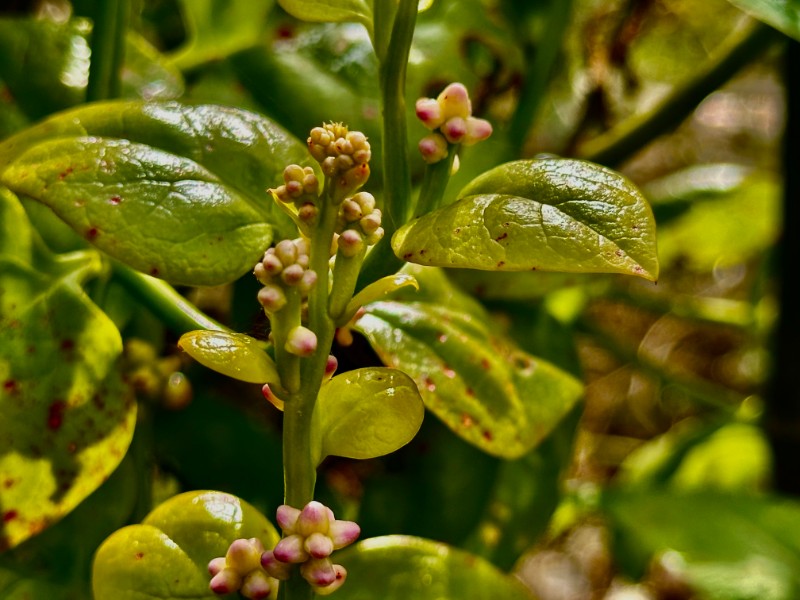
x=630 y=136
x=283 y=321
x=108 y=49
x=435 y=182
x=397 y=179
x=540 y=61
x=174 y=310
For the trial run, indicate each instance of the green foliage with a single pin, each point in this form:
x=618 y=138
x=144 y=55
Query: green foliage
x=233 y=354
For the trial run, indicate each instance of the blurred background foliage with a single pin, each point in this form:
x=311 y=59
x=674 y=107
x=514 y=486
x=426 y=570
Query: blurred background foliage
x=662 y=484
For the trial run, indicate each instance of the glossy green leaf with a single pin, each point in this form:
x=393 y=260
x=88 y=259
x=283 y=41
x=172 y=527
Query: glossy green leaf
x=233 y=354
x=377 y=290
x=218 y=28
x=16 y=236
x=398 y=567
x=167 y=556
x=330 y=11
x=366 y=413
x=184 y=187
x=549 y=215
x=147 y=74
x=66 y=418
x=492 y=394
x=783 y=15
x=56 y=564
x=731 y=547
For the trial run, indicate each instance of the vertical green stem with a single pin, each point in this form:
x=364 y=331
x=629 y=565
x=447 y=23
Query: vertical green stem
x=397 y=179
x=108 y=49
x=434 y=183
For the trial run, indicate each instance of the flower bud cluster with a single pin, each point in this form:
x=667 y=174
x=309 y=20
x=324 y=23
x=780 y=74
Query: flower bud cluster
x=240 y=570
x=343 y=155
x=449 y=117
x=300 y=188
x=285 y=265
x=359 y=224
x=311 y=535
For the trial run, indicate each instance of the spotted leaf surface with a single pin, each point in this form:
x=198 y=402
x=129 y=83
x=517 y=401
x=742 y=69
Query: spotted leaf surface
x=487 y=391
x=66 y=418
x=166 y=557
x=548 y=215
x=397 y=567
x=175 y=191
x=366 y=413
x=233 y=354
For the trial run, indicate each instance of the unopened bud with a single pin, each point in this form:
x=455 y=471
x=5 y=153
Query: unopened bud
x=293 y=274
x=314 y=518
x=433 y=148
x=351 y=211
x=225 y=581
x=216 y=565
x=454 y=102
x=374 y=237
x=286 y=252
x=272 y=298
x=277 y=569
x=310 y=183
x=477 y=130
x=244 y=555
x=272 y=264
x=293 y=173
x=256 y=585
x=319 y=572
x=454 y=129
x=290 y=549
x=307 y=282
x=366 y=201
x=301 y=341
x=429 y=112
x=350 y=243
x=371 y=222
x=330 y=366
x=319 y=545
x=341 y=575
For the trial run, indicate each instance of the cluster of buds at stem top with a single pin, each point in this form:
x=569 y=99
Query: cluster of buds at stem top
x=359 y=224
x=343 y=155
x=449 y=117
x=301 y=189
x=311 y=536
x=285 y=265
x=240 y=570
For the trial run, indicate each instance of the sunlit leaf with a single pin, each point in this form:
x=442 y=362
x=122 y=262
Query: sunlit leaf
x=549 y=214
x=174 y=191
x=398 y=567
x=167 y=556
x=492 y=394
x=233 y=354
x=66 y=417
x=15 y=231
x=330 y=11
x=783 y=15
x=366 y=413
x=376 y=290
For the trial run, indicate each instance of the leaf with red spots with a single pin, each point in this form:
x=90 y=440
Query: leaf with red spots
x=178 y=192
x=366 y=413
x=66 y=417
x=166 y=557
x=545 y=215
x=397 y=567
x=486 y=390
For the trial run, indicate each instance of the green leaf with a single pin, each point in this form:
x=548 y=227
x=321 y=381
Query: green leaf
x=366 y=413
x=398 y=567
x=783 y=15
x=16 y=236
x=233 y=354
x=183 y=191
x=490 y=393
x=375 y=291
x=549 y=215
x=66 y=418
x=330 y=11
x=218 y=28
x=731 y=547
x=167 y=556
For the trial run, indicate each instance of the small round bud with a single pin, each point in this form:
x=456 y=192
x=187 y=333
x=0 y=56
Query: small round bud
x=361 y=156
x=256 y=585
x=277 y=569
x=290 y=549
x=272 y=298
x=344 y=162
x=216 y=565
x=286 y=252
x=477 y=130
x=454 y=102
x=308 y=281
x=350 y=243
x=301 y=341
x=330 y=366
x=308 y=213
x=287 y=518
x=244 y=555
x=272 y=264
x=371 y=222
x=329 y=166
x=293 y=173
x=366 y=201
x=294 y=189
x=318 y=545
x=356 y=139
x=310 y=183
x=429 y=112
x=341 y=575
x=343 y=533
x=261 y=273
x=374 y=237
x=293 y=274
x=319 y=572
x=433 y=148
x=454 y=129
x=225 y=581
x=351 y=211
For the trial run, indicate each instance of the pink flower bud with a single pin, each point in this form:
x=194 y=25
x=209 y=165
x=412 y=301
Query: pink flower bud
x=319 y=545
x=366 y=201
x=454 y=102
x=277 y=569
x=261 y=273
x=310 y=183
x=286 y=252
x=433 y=148
x=314 y=518
x=216 y=565
x=291 y=549
x=272 y=264
x=307 y=282
x=330 y=366
x=454 y=129
x=256 y=585
x=287 y=518
x=307 y=213
x=267 y=392
x=351 y=243
x=361 y=156
x=294 y=189
x=272 y=298
x=371 y=222
x=293 y=274
x=244 y=555
x=319 y=572
x=341 y=575
x=344 y=533
x=301 y=341
x=226 y=581
x=429 y=112
x=477 y=130
x=351 y=210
